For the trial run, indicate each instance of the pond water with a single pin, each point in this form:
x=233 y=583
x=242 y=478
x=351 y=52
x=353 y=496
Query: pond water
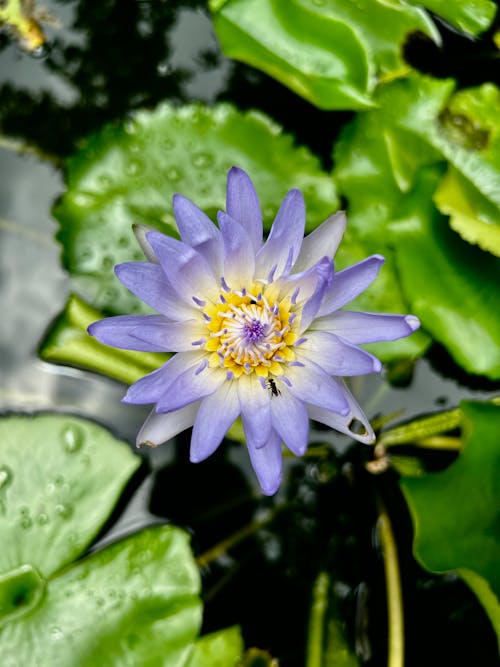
x=104 y=61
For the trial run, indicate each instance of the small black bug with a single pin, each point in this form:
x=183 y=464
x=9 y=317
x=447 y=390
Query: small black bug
x=271 y=385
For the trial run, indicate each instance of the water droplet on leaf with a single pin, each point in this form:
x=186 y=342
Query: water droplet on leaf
x=42 y=519
x=64 y=511
x=133 y=167
x=72 y=437
x=5 y=476
x=173 y=174
x=203 y=160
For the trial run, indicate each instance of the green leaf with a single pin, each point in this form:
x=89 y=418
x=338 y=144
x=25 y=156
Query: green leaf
x=128 y=173
x=218 y=649
x=331 y=52
x=471 y=17
x=463 y=127
x=471 y=215
x=451 y=286
x=135 y=602
x=60 y=477
x=380 y=162
x=375 y=166
x=132 y=602
x=69 y=343
x=456 y=512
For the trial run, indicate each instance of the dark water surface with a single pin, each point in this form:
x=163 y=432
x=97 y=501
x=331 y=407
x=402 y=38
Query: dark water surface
x=109 y=58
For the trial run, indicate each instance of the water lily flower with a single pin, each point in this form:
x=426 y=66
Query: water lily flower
x=256 y=327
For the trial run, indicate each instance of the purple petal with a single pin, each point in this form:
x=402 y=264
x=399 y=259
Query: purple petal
x=157 y=429
x=148 y=282
x=242 y=204
x=187 y=270
x=302 y=286
x=290 y=420
x=322 y=242
x=311 y=384
x=199 y=232
x=239 y=256
x=151 y=387
x=191 y=385
x=141 y=232
x=215 y=416
x=255 y=409
x=324 y=273
x=266 y=462
x=285 y=238
x=116 y=331
x=169 y=336
x=368 y=327
x=337 y=356
x=347 y=284
x=343 y=423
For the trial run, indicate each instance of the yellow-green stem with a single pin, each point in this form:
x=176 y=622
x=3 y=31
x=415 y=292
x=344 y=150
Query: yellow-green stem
x=395 y=638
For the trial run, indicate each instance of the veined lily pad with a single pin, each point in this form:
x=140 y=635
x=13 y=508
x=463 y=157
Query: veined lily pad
x=332 y=53
x=133 y=602
x=127 y=174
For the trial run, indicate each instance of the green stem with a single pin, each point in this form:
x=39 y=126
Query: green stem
x=395 y=639
x=315 y=641
x=225 y=545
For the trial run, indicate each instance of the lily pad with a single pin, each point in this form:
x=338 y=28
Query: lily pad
x=471 y=215
x=456 y=512
x=218 y=649
x=60 y=479
x=128 y=174
x=451 y=286
x=375 y=166
x=332 y=52
x=132 y=602
x=389 y=163
x=463 y=127
x=470 y=17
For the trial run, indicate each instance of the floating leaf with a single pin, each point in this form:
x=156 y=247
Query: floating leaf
x=463 y=127
x=455 y=512
x=330 y=52
x=218 y=649
x=471 y=17
x=375 y=165
x=471 y=215
x=380 y=163
x=69 y=343
x=128 y=174
x=135 y=601
x=451 y=286
x=61 y=477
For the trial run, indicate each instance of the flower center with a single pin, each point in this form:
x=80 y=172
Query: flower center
x=248 y=333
